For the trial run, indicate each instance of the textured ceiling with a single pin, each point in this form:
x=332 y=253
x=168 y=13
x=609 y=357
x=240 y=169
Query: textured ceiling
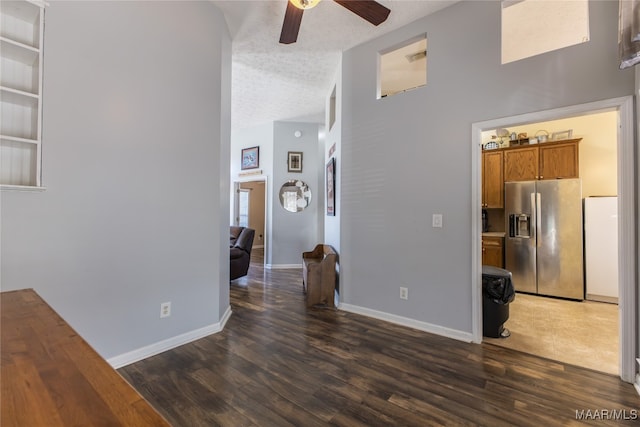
x=290 y=82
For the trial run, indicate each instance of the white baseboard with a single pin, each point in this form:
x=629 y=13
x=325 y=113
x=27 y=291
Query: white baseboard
x=151 y=350
x=411 y=323
x=282 y=266
x=602 y=298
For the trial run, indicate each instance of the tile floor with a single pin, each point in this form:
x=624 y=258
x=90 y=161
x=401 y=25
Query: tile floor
x=581 y=333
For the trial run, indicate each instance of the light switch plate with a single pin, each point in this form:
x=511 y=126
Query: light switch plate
x=165 y=309
x=436 y=221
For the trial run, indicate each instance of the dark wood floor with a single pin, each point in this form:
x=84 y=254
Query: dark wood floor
x=279 y=364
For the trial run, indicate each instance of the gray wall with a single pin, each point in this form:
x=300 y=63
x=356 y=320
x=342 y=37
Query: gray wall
x=294 y=233
x=287 y=234
x=408 y=156
x=135 y=161
x=257 y=136
x=334 y=138
x=221 y=102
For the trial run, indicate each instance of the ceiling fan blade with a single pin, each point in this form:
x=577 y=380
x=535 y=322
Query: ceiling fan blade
x=291 y=24
x=370 y=10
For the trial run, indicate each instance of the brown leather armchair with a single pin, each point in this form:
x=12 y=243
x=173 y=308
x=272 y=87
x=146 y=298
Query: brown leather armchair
x=240 y=244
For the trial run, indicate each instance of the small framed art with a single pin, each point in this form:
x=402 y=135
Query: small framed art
x=331 y=183
x=294 y=161
x=250 y=158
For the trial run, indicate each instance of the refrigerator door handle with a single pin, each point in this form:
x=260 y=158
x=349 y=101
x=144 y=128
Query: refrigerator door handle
x=538 y=219
x=534 y=221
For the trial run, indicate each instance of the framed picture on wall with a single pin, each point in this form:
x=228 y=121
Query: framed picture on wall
x=250 y=158
x=331 y=184
x=294 y=161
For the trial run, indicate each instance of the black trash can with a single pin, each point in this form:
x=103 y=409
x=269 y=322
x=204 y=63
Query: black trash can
x=497 y=293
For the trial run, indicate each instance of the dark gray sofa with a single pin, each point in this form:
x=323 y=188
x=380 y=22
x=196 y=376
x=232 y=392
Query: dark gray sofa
x=240 y=244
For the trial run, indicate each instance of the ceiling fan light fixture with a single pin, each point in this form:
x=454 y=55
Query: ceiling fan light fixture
x=369 y=10
x=304 y=4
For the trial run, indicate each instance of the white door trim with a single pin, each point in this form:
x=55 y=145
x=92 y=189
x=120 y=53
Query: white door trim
x=626 y=206
x=267 y=207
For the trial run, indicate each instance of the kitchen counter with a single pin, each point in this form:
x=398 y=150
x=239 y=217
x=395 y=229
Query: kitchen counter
x=493 y=233
x=52 y=377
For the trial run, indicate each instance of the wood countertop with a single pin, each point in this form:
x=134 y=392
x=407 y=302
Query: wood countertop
x=50 y=376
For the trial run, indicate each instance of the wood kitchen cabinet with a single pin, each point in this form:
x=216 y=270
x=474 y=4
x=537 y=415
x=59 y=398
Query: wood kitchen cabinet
x=521 y=164
x=492 y=180
x=559 y=160
x=550 y=160
x=493 y=251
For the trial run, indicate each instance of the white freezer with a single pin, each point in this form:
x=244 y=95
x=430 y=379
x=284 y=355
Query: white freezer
x=601 y=248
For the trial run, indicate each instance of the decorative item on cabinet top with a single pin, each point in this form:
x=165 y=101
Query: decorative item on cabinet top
x=498 y=140
x=563 y=134
x=491 y=145
x=519 y=139
x=542 y=136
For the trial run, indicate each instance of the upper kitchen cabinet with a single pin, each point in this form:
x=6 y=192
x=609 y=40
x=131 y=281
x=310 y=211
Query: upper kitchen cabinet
x=21 y=34
x=559 y=160
x=551 y=160
x=492 y=179
x=521 y=164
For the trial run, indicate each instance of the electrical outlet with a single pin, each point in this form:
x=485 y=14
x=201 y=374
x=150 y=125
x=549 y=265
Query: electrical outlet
x=404 y=293
x=165 y=309
x=436 y=221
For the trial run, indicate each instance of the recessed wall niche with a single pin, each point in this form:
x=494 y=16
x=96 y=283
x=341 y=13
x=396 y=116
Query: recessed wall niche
x=332 y=108
x=403 y=67
x=533 y=27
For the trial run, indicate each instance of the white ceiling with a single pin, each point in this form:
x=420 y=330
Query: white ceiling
x=291 y=82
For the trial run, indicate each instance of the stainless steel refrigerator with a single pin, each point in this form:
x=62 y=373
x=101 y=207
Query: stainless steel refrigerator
x=543 y=242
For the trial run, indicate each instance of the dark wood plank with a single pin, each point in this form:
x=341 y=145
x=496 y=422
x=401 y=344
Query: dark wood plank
x=291 y=24
x=51 y=377
x=369 y=10
x=278 y=363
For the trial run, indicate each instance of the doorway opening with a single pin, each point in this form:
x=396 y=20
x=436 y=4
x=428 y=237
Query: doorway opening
x=243 y=207
x=250 y=210
x=622 y=108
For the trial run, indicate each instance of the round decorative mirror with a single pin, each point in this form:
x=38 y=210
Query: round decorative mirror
x=295 y=195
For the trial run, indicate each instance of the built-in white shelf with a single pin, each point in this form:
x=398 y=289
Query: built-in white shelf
x=7 y=139
x=18 y=97
x=21 y=39
x=4 y=187
x=21 y=21
x=19 y=52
